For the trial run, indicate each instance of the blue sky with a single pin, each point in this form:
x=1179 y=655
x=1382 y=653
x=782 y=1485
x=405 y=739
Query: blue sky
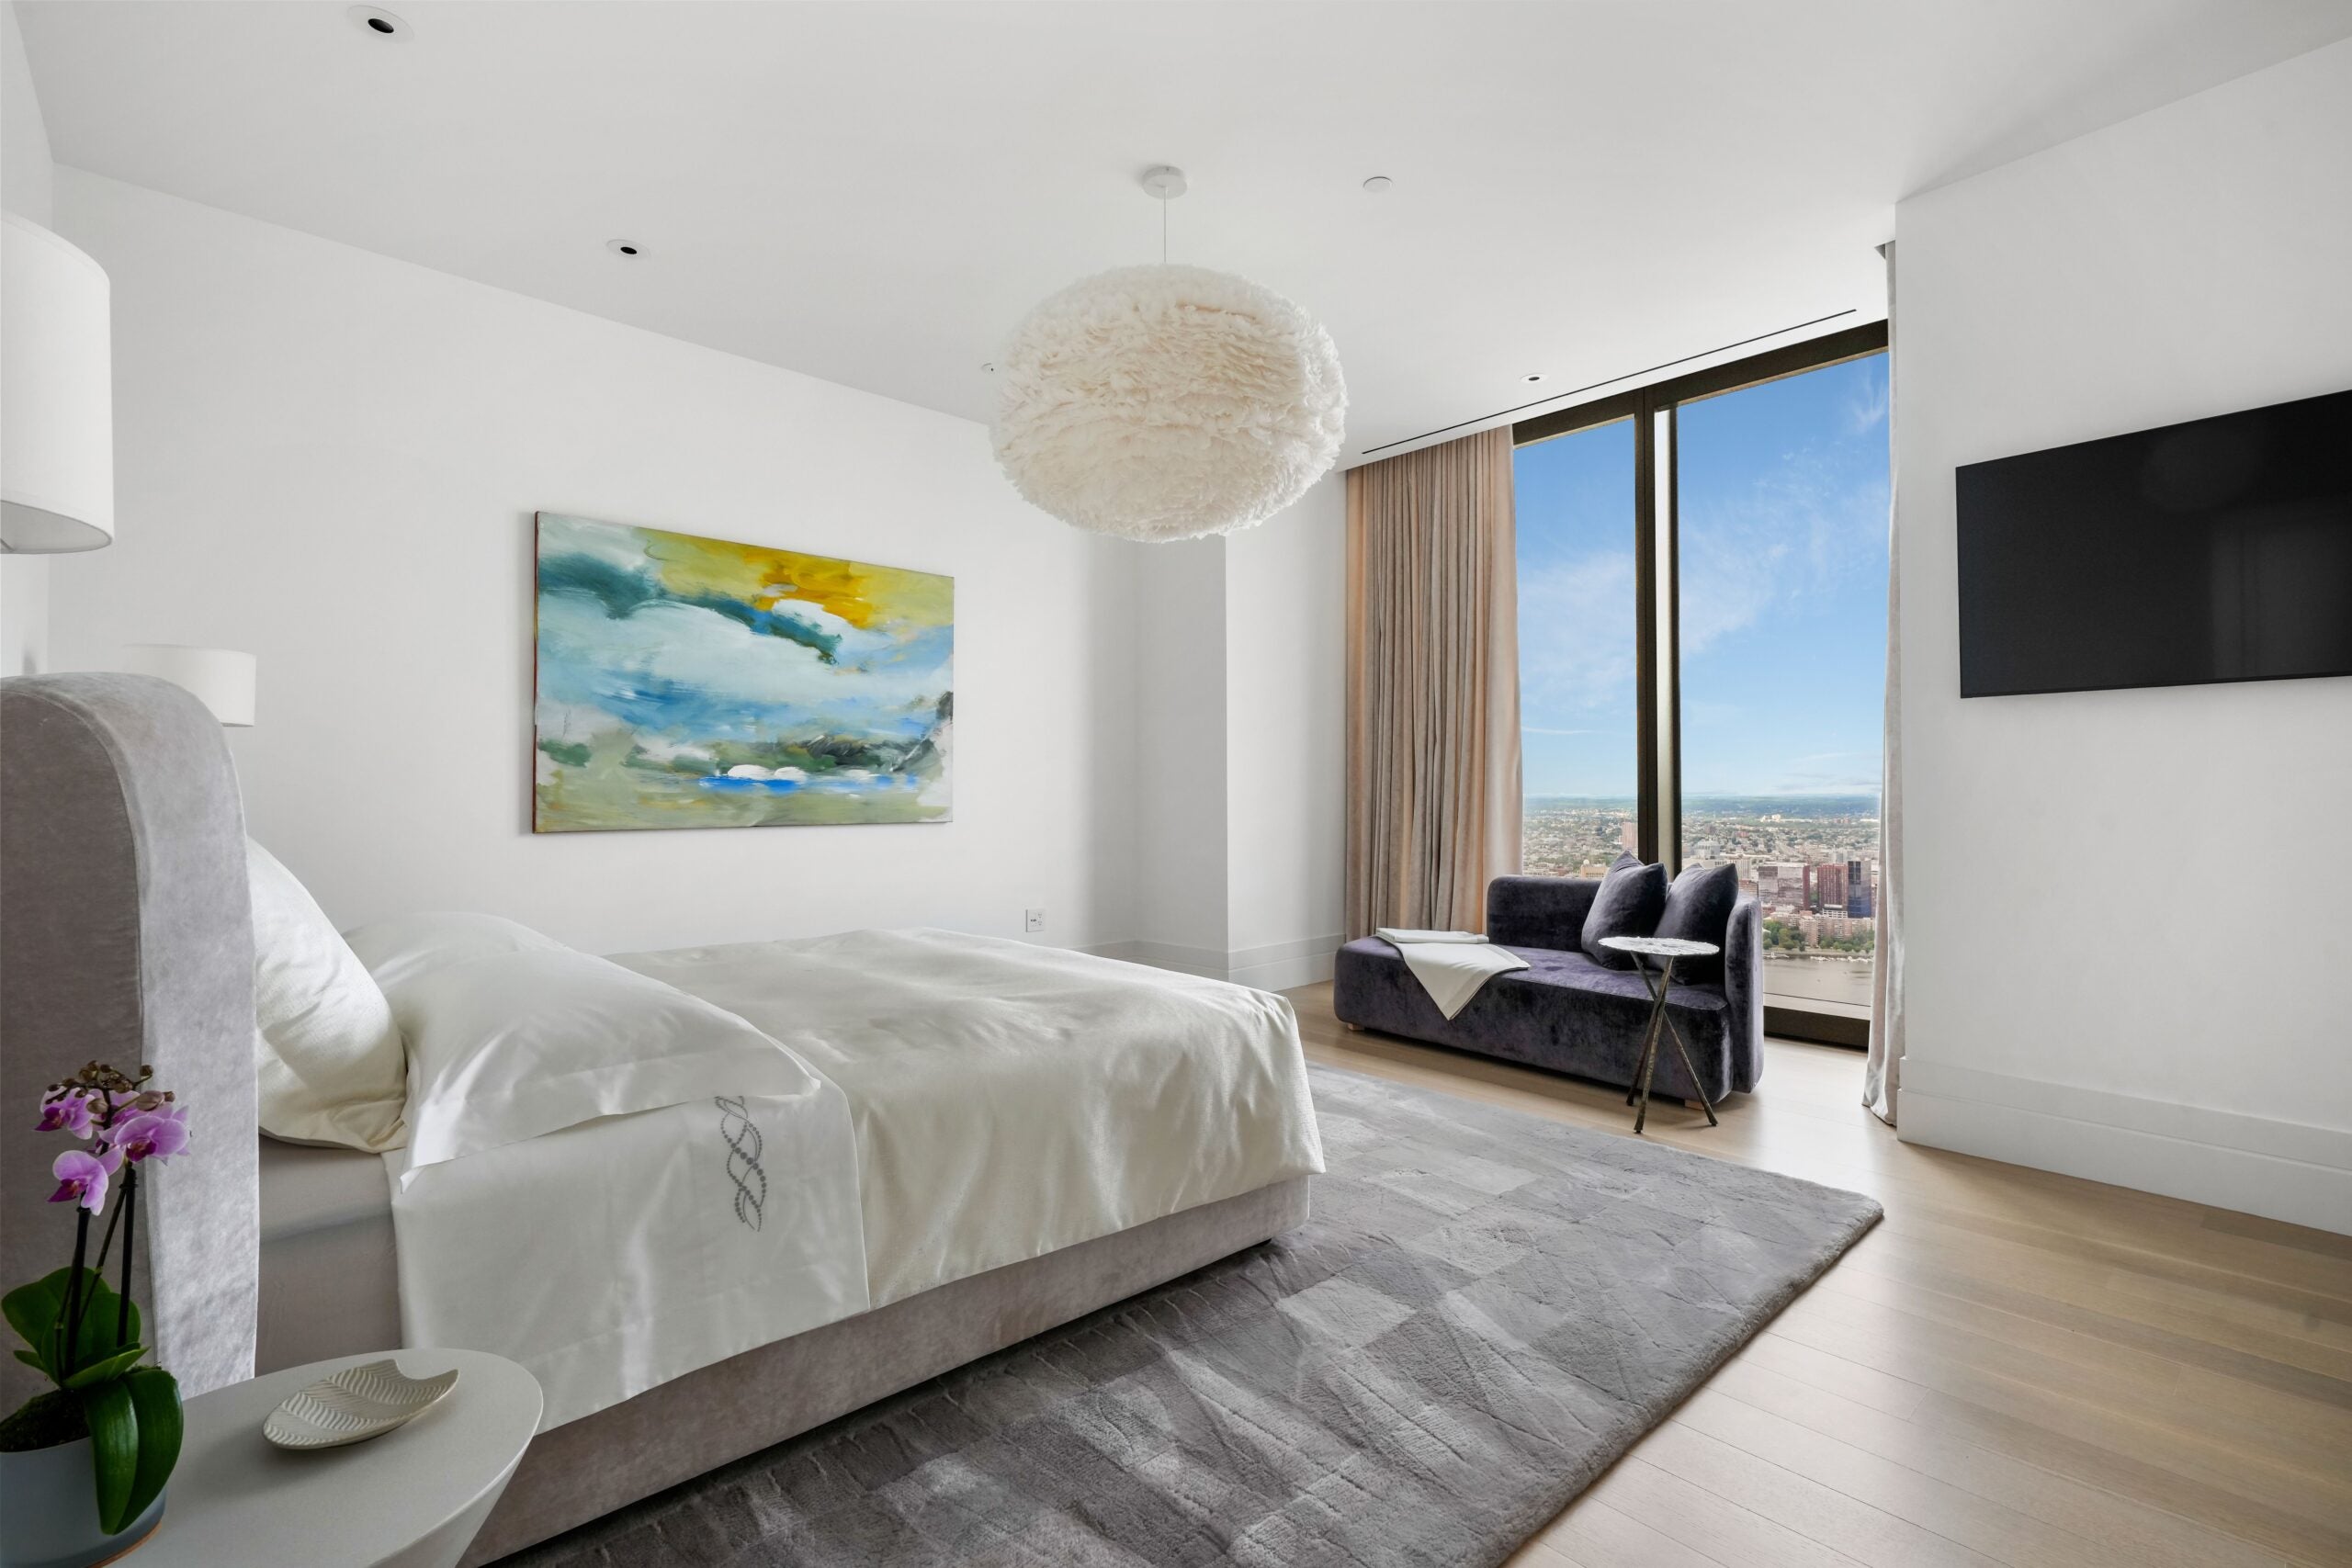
x=1783 y=497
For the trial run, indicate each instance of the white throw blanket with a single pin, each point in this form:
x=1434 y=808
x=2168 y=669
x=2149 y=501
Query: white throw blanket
x=1451 y=966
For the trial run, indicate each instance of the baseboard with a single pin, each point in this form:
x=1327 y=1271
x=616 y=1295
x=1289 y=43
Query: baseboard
x=1278 y=967
x=1199 y=960
x=2281 y=1170
x=1284 y=966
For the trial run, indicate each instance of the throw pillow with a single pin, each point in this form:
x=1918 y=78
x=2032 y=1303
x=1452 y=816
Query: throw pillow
x=1632 y=898
x=1698 y=909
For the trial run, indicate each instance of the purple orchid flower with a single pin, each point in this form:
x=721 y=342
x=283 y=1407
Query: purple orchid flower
x=151 y=1134
x=83 y=1178
x=67 y=1112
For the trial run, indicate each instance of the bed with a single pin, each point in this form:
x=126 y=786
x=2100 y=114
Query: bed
x=975 y=1141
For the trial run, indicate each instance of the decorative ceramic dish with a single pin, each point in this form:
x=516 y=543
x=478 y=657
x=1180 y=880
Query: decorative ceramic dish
x=353 y=1406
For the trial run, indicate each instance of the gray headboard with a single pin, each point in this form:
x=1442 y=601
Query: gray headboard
x=126 y=936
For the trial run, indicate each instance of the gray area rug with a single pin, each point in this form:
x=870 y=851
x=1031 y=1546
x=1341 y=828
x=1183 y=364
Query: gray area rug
x=1485 y=1310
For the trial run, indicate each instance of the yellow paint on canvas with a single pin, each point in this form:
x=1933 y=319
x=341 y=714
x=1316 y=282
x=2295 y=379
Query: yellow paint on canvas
x=861 y=595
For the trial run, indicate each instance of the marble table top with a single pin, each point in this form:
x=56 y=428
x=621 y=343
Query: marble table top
x=1660 y=946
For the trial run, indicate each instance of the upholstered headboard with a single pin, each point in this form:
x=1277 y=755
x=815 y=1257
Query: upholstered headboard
x=126 y=936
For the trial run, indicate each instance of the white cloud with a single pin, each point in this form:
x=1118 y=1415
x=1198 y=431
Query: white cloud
x=1866 y=410
x=1786 y=540
x=1575 y=634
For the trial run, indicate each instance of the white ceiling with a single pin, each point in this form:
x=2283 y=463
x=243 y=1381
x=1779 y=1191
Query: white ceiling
x=874 y=193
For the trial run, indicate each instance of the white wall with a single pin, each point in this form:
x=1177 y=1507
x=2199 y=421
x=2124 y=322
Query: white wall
x=27 y=176
x=27 y=181
x=1179 y=759
x=1241 y=776
x=2130 y=912
x=1285 y=684
x=331 y=459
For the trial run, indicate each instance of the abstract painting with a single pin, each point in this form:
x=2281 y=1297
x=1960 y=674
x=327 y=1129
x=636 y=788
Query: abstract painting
x=692 y=683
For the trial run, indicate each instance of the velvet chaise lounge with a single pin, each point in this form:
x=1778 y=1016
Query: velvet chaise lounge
x=1564 y=1011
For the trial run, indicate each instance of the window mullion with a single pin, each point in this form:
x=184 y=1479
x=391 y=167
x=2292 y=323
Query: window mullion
x=1665 y=780
x=1647 y=691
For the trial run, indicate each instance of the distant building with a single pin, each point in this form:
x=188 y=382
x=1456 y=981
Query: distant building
x=1858 y=889
x=1629 y=837
x=1828 y=887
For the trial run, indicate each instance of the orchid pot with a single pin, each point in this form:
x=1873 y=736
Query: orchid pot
x=83 y=1464
x=53 y=1515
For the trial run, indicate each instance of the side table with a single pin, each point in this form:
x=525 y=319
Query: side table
x=1666 y=949
x=411 y=1499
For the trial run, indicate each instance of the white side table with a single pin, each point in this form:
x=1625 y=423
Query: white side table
x=411 y=1499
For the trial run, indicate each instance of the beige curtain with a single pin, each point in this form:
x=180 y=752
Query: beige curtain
x=1882 y=1074
x=1434 y=801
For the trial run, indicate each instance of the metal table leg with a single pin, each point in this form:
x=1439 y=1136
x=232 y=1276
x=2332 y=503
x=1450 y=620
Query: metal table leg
x=1688 y=1064
x=1647 y=1067
x=1649 y=1040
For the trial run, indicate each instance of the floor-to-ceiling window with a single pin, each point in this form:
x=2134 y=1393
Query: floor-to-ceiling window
x=1577 y=683
x=1702 y=641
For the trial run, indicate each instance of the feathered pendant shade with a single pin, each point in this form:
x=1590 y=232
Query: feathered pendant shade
x=1167 y=402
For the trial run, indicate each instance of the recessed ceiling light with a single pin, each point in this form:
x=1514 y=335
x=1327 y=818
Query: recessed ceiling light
x=1377 y=184
x=375 y=23
x=622 y=247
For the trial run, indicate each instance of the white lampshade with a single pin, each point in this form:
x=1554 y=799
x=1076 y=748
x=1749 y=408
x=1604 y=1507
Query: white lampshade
x=56 y=395
x=221 y=677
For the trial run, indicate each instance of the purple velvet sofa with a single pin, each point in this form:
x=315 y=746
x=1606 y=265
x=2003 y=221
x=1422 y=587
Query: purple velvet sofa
x=1564 y=1011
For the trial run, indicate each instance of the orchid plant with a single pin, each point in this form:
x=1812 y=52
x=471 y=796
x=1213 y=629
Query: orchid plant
x=85 y=1337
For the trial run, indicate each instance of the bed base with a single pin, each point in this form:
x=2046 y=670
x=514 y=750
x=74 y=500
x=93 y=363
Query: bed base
x=681 y=1429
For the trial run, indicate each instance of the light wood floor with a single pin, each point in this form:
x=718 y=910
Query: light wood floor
x=2012 y=1368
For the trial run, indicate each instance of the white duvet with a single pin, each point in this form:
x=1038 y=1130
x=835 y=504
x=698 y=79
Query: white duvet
x=1010 y=1099
x=951 y=1104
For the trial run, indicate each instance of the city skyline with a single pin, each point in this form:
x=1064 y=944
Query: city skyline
x=1810 y=862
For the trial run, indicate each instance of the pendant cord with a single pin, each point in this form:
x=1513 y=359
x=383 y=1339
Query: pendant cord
x=1163 y=230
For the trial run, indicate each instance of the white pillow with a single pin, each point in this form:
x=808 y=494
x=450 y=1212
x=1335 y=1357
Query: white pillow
x=329 y=1057
x=509 y=1039
x=408 y=947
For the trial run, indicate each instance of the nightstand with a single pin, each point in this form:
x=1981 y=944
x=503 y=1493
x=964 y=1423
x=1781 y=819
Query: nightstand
x=411 y=1499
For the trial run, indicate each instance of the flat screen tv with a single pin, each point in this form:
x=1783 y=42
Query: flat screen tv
x=2216 y=550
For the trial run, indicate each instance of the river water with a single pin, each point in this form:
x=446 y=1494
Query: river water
x=1844 y=980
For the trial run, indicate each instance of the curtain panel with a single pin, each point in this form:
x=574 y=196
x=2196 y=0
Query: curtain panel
x=1433 y=765
x=1883 y=1073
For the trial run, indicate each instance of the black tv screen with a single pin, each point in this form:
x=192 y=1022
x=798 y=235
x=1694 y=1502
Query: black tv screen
x=2216 y=550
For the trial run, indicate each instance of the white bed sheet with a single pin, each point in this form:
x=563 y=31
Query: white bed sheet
x=1011 y=1100
x=620 y=1253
